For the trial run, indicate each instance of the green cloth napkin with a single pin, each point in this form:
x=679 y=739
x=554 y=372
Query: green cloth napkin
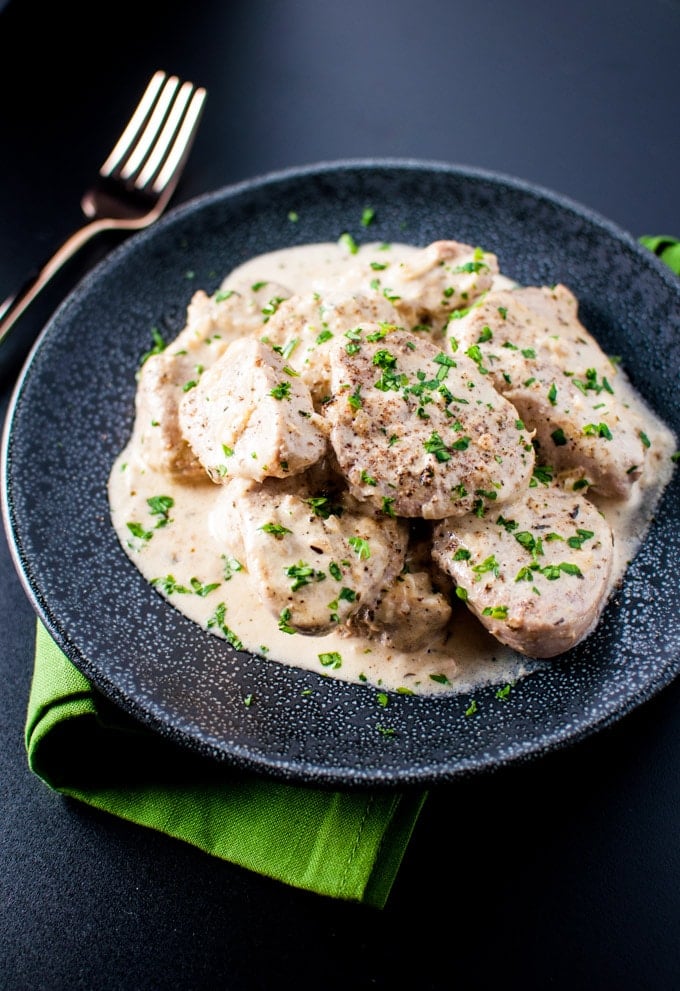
x=343 y=844
x=665 y=247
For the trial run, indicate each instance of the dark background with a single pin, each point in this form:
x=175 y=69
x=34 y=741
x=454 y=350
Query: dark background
x=563 y=873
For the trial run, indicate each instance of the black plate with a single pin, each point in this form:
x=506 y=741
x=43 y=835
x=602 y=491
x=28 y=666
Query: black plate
x=72 y=413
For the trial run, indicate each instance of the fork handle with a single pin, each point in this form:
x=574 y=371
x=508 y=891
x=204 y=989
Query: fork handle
x=16 y=304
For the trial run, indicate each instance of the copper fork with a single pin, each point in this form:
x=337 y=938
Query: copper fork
x=135 y=182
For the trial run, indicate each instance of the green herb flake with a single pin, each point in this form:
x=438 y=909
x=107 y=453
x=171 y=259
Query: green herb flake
x=347 y=241
x=277 y=530
x=138 y=531
x=160 y=506
x=388 y=507
x=198 y=588
x=303 y=574
x=488 y=565
x=360 y=547
x=597 y=430
x=495 y=612
x=385 y=730
x=218 y=619
x=331 y=659
x=581 y=536
x=284 y=625
x=281 y=391
x=169 y=586
x=157 y=347
x=230 y=567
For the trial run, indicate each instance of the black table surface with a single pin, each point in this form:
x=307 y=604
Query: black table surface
x=560 y=873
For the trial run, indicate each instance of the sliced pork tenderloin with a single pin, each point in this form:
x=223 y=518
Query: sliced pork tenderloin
x=537 y=574
x=313 y=564
x=420 y=433
x=537 y=353
x=251 y=416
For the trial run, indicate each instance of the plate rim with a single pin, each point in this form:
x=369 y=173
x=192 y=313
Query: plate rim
x=279 y=766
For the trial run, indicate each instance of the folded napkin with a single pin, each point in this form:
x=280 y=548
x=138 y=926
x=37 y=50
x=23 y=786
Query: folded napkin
x=346 y=845
x=342 y=844
x=665 y=247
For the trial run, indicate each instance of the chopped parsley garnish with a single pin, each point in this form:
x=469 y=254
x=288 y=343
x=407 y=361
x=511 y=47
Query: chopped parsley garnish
x=284 y=625
x=270 y=308
x=303 y=574
x=323 y=507
x=355 y=400
x=435 y=445
x=157 y=347
x=169 y=585
x=230 y=566
x=198 y=588
x=543 y=474
x=161 y=506
x=597 y=430
x=218 y=619
x=361 y=548
x=331 y=659
x=582 y=535
x=275 y=529
x=388 y=506
x=489 y=564
x=281 y=391
x=348 y=241
x=495 y=612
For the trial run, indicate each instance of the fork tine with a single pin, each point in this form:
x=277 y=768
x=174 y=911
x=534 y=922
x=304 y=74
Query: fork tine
x=182 y=143
x=164 y=140
x=145 y=141
x=135 y=124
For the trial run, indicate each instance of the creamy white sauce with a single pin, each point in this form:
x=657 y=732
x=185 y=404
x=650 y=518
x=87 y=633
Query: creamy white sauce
x=194 y=547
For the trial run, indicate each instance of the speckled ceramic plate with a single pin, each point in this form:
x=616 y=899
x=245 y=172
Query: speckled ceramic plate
x=72 y=413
